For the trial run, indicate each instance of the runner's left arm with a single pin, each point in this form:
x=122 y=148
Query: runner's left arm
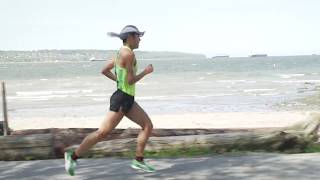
x=132 y=78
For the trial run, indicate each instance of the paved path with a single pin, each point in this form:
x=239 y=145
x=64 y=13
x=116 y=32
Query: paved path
x=251 y=166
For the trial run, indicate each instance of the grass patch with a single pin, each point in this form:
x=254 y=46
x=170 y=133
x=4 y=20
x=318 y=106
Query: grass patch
x=180 y=152
x=203 y=151
x=175 y=153
x=313 y=148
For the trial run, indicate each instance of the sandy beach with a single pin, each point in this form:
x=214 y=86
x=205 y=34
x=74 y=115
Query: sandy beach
x=190 y=120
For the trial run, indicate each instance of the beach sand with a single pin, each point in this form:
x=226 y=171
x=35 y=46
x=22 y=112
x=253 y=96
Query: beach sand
x=190 y=120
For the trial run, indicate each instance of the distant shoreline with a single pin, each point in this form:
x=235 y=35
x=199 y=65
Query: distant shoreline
x=162 y=53
x=87 y=55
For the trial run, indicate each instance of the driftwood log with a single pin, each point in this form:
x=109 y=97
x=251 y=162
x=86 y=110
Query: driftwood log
x=26 y=147
x=51 y=143
x=292 y=139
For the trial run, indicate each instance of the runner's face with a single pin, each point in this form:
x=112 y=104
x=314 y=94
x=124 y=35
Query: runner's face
x=134 y=41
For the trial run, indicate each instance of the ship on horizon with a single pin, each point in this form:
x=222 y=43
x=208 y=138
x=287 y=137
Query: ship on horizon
x=258 y=55
x=221 y=56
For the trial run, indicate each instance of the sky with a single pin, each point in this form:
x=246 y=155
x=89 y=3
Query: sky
x=210 y=27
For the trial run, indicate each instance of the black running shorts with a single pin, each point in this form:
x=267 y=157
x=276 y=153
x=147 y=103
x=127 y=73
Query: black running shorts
x=121 y=101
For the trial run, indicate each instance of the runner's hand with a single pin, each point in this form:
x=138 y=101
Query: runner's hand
x=148 y=69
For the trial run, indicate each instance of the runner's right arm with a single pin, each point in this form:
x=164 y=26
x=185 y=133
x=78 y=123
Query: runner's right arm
x=107 y=70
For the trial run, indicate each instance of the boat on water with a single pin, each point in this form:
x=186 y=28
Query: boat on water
x=222 y=56
x=94 y=59
x=259 y=55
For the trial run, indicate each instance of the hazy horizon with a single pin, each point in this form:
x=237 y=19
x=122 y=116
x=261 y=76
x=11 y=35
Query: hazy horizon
x=230 y=27
x=161 y=51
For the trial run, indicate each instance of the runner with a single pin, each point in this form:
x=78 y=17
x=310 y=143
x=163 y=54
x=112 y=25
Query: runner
x=122 y=102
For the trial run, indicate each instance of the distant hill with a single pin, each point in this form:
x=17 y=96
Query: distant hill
x=86 y=55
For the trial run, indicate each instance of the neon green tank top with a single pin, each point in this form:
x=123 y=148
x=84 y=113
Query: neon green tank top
x=121 y=74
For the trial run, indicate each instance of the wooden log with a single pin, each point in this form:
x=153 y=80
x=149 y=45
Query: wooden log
x=42 y=146
x=290 y=139
x=68 y=137
x=38 y=146
x=77 y=134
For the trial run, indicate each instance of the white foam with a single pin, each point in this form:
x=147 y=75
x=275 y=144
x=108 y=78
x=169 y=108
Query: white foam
x=66 y=92
x=257 y=90
x=98 y=95
x=41 y=97
x=222 y=94
x=100 y=99
x=27 y=93
x=35 y=99
x=236 y=81
x=298 y=81
x=269 y=94
x=152 y=97
x=287 y=76
x=87 y=91
x=59 y=92
x=205 y=96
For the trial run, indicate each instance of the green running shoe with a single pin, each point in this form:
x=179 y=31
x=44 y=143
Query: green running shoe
x=142 y=166
x=70 y=164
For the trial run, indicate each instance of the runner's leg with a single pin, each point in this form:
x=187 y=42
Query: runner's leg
x=109 y=123
x=139 y=116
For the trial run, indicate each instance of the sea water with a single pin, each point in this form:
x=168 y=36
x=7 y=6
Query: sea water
x=78 y=89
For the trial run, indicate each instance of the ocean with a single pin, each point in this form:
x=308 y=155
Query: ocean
x=78 y=89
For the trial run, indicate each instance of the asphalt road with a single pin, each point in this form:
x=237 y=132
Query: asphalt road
x=257 y=166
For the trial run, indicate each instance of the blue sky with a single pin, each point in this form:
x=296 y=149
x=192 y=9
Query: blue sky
x=211 y=27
